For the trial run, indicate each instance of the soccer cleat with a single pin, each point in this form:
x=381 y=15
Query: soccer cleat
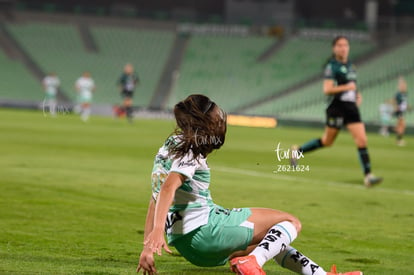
x=370 y=180
x=401 y=143
x=246 y=265
x=334 y=272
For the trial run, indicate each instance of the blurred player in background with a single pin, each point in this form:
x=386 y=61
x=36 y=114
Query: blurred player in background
x=386 y=110
x=205 y=233
x=401 y=106
x=85 y=87
x=51 y=85
x=127 y=84
x=341 y=88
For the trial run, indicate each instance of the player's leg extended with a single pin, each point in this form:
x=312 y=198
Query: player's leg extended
x=295 y=261
x=359 y=135
x=273 y=231
x=327 y=139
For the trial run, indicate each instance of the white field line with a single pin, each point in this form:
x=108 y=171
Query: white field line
x=285 y=177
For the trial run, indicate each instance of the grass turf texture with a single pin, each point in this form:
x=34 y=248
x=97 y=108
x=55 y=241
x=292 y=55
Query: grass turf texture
x=73 y=196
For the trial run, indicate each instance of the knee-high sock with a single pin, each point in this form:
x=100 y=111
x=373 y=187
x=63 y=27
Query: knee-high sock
x=364 y=160
x=311 y=145
x=275 y=241
x=295 y=261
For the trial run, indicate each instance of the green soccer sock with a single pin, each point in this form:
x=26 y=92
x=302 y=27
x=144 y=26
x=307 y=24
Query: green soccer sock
x=311 y=145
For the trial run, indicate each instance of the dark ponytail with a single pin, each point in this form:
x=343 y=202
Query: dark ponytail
x=201 y=127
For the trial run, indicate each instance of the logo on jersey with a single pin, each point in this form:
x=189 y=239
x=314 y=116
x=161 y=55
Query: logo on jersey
x=189 y=163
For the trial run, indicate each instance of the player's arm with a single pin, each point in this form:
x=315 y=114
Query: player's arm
x=149 y=221
x=165 y=199
x=329 y=87
x=154 y=239
x=146 y=259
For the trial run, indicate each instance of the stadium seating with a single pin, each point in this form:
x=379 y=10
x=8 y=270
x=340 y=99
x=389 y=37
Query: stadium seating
x=148 y=50
x=223 y=68
x=377 y=94
x=18 y=83
x=377 y=80
x=226 y=67
x=58 y=48
x=53 y=47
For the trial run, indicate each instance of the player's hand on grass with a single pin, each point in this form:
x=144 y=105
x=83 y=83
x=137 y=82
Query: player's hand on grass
x=156 y=242
x=146 y=262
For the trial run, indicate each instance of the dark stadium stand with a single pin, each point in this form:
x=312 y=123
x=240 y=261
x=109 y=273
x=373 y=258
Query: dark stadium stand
x=58 y=48
x=226 y=67
x=376 y=81
x=18 y=84
x=245 y=73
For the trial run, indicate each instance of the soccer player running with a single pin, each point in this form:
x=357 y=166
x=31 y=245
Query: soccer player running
x=401 y=106
x=127 y=84
x=85 y=86
x=51 y=85
x=343 y=100
x=205 y=233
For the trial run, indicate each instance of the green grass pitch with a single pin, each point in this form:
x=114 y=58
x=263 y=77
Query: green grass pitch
x=73 y=195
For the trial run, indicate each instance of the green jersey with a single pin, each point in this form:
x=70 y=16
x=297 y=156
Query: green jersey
x=128 y=82
x=192 y=202
x=402 y=101
x=341 y=73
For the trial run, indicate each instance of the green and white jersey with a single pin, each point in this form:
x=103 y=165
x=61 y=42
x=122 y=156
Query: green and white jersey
x=192 y=201
x=51 y=84
x=85 y=86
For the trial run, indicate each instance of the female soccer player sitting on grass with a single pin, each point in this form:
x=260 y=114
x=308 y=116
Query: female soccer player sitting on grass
x=204 y=233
